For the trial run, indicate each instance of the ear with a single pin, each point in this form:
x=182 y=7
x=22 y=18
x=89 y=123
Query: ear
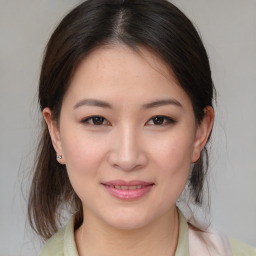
x=203 y=132
x=54 y=133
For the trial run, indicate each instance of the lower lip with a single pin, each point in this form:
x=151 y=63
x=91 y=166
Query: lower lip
x=128 y=194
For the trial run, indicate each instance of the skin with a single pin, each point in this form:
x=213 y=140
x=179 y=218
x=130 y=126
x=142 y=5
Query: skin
x=127 y=144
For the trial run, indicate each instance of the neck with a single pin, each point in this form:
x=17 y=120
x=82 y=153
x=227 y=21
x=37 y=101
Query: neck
x=158 y=238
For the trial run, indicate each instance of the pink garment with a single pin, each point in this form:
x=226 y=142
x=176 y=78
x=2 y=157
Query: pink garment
x=208 y=243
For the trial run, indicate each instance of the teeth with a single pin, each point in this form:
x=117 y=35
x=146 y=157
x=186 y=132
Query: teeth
x=127 y=187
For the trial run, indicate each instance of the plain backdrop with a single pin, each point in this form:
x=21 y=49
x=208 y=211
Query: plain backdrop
x=228 y=31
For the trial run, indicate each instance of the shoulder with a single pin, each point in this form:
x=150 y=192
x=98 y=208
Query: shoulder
x=55 y=245
x=242 y=249
x=217 y=244
x=62 y=243
x=208 y=242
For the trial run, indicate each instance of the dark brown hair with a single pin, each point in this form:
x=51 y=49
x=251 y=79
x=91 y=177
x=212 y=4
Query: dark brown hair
x=156 y=24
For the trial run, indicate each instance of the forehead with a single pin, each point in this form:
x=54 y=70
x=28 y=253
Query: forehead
x=120 y=71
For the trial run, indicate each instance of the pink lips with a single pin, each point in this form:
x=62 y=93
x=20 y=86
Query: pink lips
x=127 y=190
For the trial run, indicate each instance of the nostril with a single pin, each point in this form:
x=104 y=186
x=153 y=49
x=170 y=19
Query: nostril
x=126 y=154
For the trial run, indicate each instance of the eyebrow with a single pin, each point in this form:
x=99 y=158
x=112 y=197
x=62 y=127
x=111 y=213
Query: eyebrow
x=103 y=104
x=92 y=102
x=164 y=102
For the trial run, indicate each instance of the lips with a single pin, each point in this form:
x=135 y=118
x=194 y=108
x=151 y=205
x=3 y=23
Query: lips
x=126 y=187
x=127 y=183
x=128 y=190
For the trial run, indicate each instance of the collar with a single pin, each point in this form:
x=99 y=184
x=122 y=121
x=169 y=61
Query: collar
x=182 y=247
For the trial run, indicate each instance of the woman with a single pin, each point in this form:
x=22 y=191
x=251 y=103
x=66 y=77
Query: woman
x=127 y=99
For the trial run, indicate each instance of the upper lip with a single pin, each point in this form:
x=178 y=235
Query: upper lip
x=127 y=183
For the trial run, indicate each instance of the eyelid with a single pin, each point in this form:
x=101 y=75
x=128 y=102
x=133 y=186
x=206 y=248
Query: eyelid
x=87 y=119
x=167 y=120
x=170 y=120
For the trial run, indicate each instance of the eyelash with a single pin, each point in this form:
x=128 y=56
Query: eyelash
x=165 y=120
x=92 y=119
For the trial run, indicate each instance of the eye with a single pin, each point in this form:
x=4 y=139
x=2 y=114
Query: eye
x=161 y=120
x=95 y=120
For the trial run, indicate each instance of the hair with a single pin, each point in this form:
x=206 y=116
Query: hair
x=155 y=24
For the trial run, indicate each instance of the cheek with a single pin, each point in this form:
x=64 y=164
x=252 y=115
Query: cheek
x=81 y=149
x=174 y=152
x=83 y=156
x=172 y=158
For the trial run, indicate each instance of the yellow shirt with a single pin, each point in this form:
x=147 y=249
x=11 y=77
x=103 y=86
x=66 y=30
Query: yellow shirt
x=190 y=243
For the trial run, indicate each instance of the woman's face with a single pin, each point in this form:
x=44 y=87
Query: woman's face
x=127 y=134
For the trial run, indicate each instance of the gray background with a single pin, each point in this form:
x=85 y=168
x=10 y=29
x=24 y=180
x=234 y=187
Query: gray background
x=228 y=31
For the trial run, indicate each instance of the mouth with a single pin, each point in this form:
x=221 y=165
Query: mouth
x=128 y=190
x=127 y=187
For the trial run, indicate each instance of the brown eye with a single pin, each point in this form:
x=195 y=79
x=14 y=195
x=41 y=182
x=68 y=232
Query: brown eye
x=158 y=120
x=161 y=120
x=98 y=120
x=95 y=120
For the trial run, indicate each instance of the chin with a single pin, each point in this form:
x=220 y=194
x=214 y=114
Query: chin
x=128 y=220
x=128 y=224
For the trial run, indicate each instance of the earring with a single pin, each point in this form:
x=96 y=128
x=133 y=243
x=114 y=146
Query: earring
x=59 y=156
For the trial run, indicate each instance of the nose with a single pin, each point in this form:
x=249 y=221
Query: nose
x=127 y=153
